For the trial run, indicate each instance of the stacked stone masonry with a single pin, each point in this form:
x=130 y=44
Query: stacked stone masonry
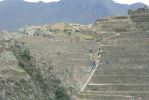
x=137 y=19
x=122 y=72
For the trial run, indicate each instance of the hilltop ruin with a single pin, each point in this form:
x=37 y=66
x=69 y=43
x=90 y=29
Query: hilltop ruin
x=140 y=17
x=136 y=20
x=68 y=53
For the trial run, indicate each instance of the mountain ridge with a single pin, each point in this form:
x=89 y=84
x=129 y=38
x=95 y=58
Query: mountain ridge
x=16 y=13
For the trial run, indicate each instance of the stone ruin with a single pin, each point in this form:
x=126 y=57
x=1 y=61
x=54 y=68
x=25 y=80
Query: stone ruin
x=123 y=72
x=118 y=23
x=136 y=19
x=140 y=17
x=6 y=41
x=1 y=48
x=63 y=26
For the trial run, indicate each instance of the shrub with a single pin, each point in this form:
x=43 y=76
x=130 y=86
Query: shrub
x=61 y=94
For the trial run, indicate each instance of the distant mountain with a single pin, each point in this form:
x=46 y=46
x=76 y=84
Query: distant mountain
x=17 y=13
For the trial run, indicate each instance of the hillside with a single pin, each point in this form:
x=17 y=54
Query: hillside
x=107 y=60
x=17 y=13
x=15 y=83
x=46 y=62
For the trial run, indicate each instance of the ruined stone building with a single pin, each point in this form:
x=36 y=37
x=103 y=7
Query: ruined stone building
x=118 y=23
x=136 y=19
x=140 y=17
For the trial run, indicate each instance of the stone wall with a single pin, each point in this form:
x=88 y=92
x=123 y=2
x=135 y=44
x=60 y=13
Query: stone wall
x=62 y=26
x=1 y=46
x=1 y=49
x=118 y=23
x=136 y=20
x=140 y=17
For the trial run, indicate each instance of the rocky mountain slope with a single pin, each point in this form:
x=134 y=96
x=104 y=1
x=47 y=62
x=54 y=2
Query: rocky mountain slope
x=15 y=83
x=52 y=62
x=46 y=62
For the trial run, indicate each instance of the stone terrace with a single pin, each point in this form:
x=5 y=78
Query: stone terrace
x=140 y=17
x=115 y=24
x=71 y=57
x=122 y=73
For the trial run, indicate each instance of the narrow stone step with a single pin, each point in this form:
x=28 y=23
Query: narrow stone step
x=121 y=79
x=133 y=35
x=124 y=93
x=136 y=54
x=122 y=48
x=122 y=72
x=121 y=66
x=106 y=35
x=129 y=38
x=113 y=95
x=117 y=87
x=124 y=60
x=125 y=42
x=102 y=97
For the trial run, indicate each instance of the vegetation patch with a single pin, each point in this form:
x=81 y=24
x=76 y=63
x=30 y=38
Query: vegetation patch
x=49 y=85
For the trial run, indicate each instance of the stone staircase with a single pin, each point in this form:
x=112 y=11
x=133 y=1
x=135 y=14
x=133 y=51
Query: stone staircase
x=123 y=69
